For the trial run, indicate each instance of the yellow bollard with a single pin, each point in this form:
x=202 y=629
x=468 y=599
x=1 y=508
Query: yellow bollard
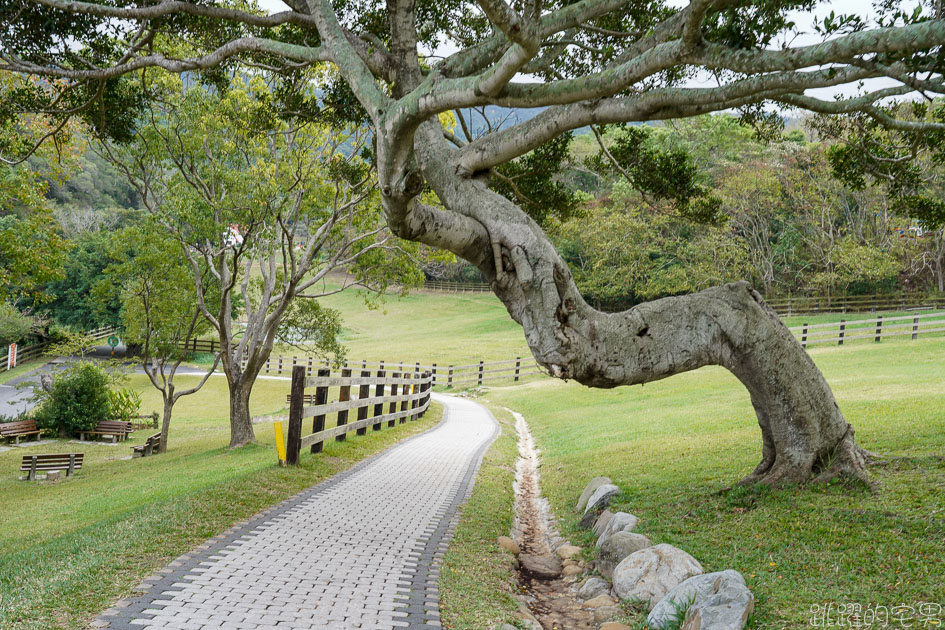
x=280 y=443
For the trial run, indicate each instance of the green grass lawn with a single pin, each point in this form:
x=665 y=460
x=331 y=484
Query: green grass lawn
x=676 y=446
x=71 y=547
x=429 y=327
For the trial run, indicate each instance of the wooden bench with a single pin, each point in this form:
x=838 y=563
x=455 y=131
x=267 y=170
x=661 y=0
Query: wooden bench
x=116 y=429
x=18 y=429
x=148 y=448
x=69 y=462
x=307 y=399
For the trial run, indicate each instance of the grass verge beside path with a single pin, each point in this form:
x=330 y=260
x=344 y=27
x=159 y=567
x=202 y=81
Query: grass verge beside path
x=675 y=446
x=477 y=577
x=68 y=549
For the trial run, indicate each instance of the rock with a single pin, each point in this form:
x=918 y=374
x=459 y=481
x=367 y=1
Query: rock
x=600 y=601
x=613 y=625
x=607 y=612
x=589 y=489
x=649 y=574
x=602 y=521
x=52 y=475
x=505 y=626
x=618 y=547
x=619 y=522
x=601 y=498
x=508 y=544
x=541 y=567
x=598 y=501
x=719 y=601
x=528 y=620
x=572 y=570
x=593 y=587
x=566 y=551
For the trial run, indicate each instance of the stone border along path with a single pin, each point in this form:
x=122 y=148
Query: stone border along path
x=359 y=550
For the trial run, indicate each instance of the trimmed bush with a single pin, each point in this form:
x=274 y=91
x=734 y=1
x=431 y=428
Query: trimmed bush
x=78 y=400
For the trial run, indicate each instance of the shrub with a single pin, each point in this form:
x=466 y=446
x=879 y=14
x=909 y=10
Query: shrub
x=78 y=399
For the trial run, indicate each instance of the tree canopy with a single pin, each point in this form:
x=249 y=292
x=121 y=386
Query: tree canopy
x=399 y=65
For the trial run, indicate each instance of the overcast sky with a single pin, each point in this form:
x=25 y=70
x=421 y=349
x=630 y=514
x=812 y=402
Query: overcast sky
x=804 y=21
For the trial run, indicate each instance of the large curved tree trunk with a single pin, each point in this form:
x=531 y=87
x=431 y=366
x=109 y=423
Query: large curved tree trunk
x=804 y=434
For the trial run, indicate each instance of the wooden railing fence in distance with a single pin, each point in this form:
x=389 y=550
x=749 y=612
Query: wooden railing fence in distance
x=873 y=328
x=408 y=391
x=801 y=305
x=457 y=287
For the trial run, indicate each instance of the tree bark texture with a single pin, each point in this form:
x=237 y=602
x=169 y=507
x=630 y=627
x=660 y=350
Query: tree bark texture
x=241 y=420
x=166 y=422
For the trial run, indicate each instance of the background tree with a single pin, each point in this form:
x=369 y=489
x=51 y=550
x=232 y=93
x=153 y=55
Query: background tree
x=159 y=311
x=600 y=62
x=905 y=163
x=262 y=210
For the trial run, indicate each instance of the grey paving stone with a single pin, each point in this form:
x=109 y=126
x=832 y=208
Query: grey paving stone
x=361 y=550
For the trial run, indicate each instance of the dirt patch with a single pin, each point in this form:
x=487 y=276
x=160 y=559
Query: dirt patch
x=550 y=600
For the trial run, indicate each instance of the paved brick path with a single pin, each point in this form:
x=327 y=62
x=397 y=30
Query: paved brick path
x=360 y=550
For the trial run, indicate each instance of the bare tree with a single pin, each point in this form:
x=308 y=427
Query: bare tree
x=600 y=62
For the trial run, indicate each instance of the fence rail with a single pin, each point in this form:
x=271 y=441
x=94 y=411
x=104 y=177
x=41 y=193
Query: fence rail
x=36 y=350
x=447 y=376
x=406 y=396
x=875 y=328
x=457 y=287
x=802 y=305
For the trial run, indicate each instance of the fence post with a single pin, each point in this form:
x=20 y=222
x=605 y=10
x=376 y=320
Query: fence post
x=280 y=366
x=310 y=365
x=318 y=422
x=405 y=391
x=344 y=395
x=267 y=363
x=296 y=402
x=804 y=336
x=379 y=392
x=480 y=373
x=879 y=328
x=414 y=390
x=449 y=379
x=843 y=326
x=426 y=388
x=518 y=365
x=433 y=374
x=364 y=392
x=393 y=405
x=915 y=327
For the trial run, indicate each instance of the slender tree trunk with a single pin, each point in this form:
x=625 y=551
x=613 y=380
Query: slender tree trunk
x=241 y=421
x=166 y=422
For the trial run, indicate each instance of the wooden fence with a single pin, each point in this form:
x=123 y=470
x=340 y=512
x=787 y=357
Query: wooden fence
x=405 y=395
x=874 y=328
x=856 y=303
x=36 y=350
x=448 y=376
x=457 y=287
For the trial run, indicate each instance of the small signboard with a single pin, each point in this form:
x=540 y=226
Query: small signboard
x=113 y=341
x=11 y=357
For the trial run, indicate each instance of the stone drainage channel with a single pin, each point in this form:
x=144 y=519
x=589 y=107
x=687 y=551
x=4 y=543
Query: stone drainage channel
x=546 y=587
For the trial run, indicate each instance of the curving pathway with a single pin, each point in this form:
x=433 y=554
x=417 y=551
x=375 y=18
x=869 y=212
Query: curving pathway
x=360 y=550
